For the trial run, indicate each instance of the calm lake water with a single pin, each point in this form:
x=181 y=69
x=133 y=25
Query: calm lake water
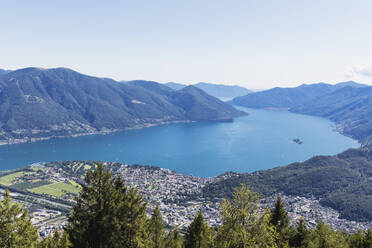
x=259 y=141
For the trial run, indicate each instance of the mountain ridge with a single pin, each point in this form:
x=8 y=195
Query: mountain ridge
x=2 y=71
x=348 y=104
x=43 y=103
x=216 y=90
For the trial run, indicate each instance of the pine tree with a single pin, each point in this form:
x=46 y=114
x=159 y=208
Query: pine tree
x=107 y=214
x=357 y=240
x=368 y=238
x=324 y=237
x=57 y=240
x=360 y=239
x=198 y=234
x=279 y=219
x=16 y=229
x=279 y=215
x=264 y=234
x=241 y=225
x=173 y=239
x=300 y=234
x=156 y=229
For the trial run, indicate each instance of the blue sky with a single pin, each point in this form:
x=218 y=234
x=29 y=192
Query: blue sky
x=254 y=43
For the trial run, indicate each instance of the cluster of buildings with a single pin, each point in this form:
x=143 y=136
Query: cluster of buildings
x=180 y=198
x=312 y=212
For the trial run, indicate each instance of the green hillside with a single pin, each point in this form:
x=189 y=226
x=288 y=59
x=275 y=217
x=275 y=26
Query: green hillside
x=342 y=182
x=42 y=103
x=350 y=107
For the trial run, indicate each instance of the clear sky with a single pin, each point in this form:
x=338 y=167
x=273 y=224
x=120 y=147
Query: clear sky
x=255 y=43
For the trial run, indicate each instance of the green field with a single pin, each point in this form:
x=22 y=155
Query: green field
x=55 y=189
x=74 y=183
x=7 y=180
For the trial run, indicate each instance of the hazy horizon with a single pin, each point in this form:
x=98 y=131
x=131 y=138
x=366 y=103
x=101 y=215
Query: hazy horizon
x=255 y=44
x=254 y=89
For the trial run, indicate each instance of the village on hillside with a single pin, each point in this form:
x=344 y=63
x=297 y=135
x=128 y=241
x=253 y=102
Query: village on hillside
x=47 y=190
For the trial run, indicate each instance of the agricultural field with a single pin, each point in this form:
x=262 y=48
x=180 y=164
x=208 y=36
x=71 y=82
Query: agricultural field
x=57 y=189
x=9 y=179
x=60 y=180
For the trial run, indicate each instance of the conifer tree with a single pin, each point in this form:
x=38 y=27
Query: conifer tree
x=264 y=234
x=357 y=240
x=107 y=214
x=279 y=219
x=279 y=215
x=173 y=239
x=57 y=240
x=368 y=238
x=241 y=225
x=198 y=234
x=16 y=229
x=360 y=239
x=156 y=229
x=300 y=234
x=324 y=237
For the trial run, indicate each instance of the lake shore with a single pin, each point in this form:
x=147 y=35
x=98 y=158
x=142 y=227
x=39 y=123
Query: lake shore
x=102 y=132
x=259 y=141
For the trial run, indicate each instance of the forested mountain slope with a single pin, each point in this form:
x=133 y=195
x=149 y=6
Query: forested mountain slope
x=350 y=107
x=41 y=103
x=349 y=104
x=343 y=182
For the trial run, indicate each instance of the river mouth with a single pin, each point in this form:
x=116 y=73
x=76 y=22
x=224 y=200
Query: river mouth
x=262 y=140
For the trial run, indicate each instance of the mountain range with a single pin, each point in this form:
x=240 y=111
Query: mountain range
x=42 y=103
x=216 y=90
x=348 y=104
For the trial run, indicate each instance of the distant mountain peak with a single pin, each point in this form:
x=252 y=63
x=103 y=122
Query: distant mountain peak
x=351 y=83
x=216 y=90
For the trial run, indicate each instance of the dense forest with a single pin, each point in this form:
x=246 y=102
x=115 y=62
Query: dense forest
x=109 y=214
x=342 y=182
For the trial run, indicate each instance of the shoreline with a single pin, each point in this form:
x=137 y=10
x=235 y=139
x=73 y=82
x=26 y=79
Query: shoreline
x=104 y=132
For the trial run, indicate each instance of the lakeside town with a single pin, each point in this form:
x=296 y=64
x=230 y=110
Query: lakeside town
x=48 y=191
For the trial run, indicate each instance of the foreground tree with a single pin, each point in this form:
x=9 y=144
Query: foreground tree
x=241 y=225
x=300 y=235
x=198 y=234
x=156 y=229
x=58 y=240
x=279 y=216
x=360 y=239
x=324 y=237
x=173 y=239
x=107 y=214
x=279 y=219
x=16 y=229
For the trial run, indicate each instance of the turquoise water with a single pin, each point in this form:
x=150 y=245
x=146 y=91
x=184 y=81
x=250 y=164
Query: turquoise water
x=259 y=141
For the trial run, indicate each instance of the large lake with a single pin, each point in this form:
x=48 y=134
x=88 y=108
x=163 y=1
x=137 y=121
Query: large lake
x=259 y=141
